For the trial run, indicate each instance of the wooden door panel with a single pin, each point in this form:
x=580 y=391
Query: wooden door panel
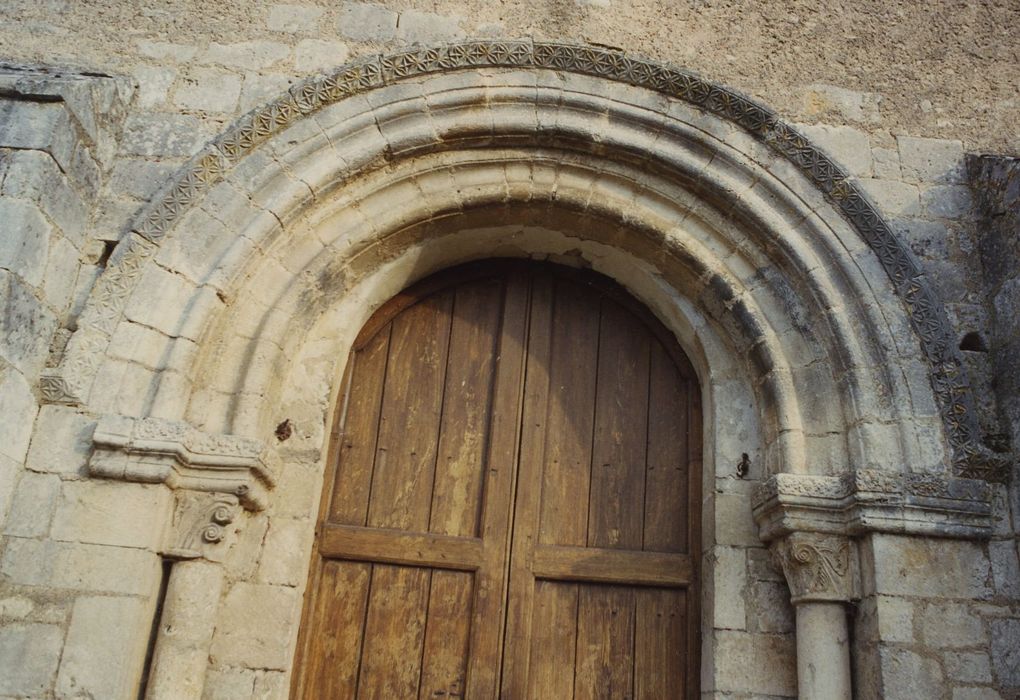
x=573 y=365
x=512 y=507
x=611 y=642
x=616 y=503
x=409 y=423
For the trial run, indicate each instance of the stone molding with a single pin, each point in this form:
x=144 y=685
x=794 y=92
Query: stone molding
x=70 y=381
x=818 y=567
x=160 y=451
x=920 y=503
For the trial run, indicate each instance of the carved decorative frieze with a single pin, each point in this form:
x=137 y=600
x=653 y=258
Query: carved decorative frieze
x=155 y=450
x=869 y=500
x=926 y=313
x=818 y=567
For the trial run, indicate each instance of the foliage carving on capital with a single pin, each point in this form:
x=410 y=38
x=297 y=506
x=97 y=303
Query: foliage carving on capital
x=817 y=567
x=201 y=524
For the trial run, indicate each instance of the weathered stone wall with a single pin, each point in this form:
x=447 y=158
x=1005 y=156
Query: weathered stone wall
x=898 y=100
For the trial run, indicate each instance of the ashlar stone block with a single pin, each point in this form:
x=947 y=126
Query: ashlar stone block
x=951 y=625
x=1005 y=648
x=33 y=505
x=105 y=647
x=24 y=239
x=18 y=408
x=915 y=566
x=30 y=654
x=969 y=667
x=931 y=160
x=250 y=640
x=208 y=90
x=61 y=442
x=362 y=21
x=112 y=513
x=908 y=676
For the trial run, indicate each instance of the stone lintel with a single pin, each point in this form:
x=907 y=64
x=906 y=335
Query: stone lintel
x=906 y=503
x=160 y=451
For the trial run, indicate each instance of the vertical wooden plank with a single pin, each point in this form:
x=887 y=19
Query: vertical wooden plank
x=516 y=657
x=456 y=499
x=394 y=632
x=693 y=593
x=444 y=660
x=487 y=627
x=409 y=423
x=660 y=644
x=553 y=641
x=338 y=620
x=605 y=643
x=618 y=457
x=666 y=507
x=573 y=368
x=356 y=456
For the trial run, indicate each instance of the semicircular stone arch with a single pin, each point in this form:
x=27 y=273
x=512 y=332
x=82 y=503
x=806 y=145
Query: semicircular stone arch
x=705 y=192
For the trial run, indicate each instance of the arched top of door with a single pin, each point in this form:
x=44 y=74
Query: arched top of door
x=703 y=191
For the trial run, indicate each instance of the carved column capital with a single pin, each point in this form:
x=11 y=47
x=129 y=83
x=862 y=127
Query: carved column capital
x=201 y=525
x=818 y=567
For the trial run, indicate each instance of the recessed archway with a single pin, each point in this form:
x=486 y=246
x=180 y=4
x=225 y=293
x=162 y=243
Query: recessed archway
x=818 y=347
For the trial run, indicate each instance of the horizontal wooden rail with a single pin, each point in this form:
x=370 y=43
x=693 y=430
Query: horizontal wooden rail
x=612 y=566
x=400 y=547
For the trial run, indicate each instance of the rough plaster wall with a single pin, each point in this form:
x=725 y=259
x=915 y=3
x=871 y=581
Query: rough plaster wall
x=899 y=113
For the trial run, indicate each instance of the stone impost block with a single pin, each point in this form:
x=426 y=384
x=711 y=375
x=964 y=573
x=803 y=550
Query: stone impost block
x=105 y=647
x=30 y=654
x=870 y=500
x=155 y=450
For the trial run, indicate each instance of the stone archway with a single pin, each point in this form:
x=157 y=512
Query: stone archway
x=251 y=272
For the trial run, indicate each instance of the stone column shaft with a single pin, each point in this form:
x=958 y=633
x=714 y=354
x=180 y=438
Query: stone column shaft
x=823 y=652
x=185 y=631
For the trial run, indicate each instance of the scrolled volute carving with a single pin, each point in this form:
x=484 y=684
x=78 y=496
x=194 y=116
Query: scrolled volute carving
x=201 y=525
x=818 y=567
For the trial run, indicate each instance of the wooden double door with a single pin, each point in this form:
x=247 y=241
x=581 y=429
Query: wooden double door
x=511 y=505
